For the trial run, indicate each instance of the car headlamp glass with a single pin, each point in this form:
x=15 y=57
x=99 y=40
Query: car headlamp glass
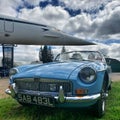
x=87 y=75
x=13 y=71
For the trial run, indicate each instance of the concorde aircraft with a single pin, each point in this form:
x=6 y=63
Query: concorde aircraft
x=18 y=31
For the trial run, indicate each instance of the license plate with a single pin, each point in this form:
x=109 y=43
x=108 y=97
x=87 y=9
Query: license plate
x=38 y=100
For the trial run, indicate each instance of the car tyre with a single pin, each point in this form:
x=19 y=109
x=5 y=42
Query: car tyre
x=100 y=106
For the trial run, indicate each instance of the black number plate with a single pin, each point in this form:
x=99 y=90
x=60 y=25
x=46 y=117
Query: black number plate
x=38 y=100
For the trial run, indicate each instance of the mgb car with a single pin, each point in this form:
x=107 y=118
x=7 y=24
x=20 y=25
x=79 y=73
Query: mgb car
x=75 y=79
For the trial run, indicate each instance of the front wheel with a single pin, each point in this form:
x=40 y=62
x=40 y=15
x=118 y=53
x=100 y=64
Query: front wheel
x=100 y=107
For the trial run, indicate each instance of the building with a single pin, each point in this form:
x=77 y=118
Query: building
x=115 y=64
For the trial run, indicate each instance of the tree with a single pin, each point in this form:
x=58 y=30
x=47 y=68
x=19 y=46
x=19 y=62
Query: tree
x=6 y=63
x=50 y=54
x=40 y=54
x=47 y=55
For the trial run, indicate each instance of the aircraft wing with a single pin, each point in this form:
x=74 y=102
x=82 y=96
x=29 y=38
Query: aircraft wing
x=18 y=31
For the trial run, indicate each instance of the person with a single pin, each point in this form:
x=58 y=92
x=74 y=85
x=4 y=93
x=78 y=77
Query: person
x=91 y=56
x=76 y=56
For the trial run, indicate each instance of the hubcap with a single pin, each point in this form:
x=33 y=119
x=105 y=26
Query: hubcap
x=103 y=106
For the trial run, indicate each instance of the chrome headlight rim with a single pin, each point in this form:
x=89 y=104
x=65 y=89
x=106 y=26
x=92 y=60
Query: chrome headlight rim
x=89 y=73
x=13 y=71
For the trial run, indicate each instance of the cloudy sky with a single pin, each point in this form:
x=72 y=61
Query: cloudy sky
x=93 y=20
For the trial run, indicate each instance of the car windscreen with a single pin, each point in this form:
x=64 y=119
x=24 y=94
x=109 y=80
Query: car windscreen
x=80 y=55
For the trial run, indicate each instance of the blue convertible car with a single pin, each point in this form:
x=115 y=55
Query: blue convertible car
x=74 y=79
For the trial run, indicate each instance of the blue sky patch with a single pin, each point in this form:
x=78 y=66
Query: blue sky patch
x=73 y=12
x=43 y=4
x=28 y=5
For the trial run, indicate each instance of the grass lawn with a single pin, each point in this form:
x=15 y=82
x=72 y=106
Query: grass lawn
x=11 y=110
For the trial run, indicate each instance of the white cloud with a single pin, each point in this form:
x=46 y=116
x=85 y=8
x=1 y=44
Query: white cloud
x=33 y=2
x=26 y=54
x=104 y=25
x=84 y=4
x=79 y=25
x=53 y=16
x=8 y=7
x=108 y=21
x=114 y=51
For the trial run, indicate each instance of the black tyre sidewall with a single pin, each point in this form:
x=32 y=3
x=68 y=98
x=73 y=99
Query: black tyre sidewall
x=101 y=106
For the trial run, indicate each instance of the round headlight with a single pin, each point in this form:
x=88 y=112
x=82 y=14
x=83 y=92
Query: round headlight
x=13 y=71
x=87 y=75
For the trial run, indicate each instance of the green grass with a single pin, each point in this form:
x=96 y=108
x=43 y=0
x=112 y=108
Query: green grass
x=11 y=110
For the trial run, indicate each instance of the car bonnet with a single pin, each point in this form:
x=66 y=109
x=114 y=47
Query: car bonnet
x=53 y=70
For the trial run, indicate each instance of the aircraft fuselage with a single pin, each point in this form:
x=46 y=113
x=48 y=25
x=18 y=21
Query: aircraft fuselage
x=18 y=31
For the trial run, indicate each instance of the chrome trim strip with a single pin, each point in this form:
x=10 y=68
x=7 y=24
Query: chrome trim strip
x=41 y=80
x=81 y=99
x=7 y=91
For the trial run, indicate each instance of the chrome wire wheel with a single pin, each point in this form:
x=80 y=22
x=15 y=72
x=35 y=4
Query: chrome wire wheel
x=100 y=106
x=103 y=106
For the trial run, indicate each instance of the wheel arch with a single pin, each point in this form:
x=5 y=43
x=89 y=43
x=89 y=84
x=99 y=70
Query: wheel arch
x=106 y=81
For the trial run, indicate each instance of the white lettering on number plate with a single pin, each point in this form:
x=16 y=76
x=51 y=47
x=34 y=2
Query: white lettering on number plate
x=40 y=100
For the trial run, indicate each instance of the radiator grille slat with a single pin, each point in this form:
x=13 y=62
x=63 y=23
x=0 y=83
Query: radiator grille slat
x=43 y=85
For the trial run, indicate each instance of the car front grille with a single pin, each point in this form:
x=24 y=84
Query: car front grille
x=43 y=85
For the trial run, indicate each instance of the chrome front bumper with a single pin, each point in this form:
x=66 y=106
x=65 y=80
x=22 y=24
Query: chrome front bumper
x=63 y=99
x=76 y=99
x=8 y=91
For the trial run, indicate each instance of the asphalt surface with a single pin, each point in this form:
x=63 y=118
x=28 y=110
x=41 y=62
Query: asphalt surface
x=115 y=77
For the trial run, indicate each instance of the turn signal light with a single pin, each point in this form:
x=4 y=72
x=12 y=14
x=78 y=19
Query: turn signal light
x=81 y=91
